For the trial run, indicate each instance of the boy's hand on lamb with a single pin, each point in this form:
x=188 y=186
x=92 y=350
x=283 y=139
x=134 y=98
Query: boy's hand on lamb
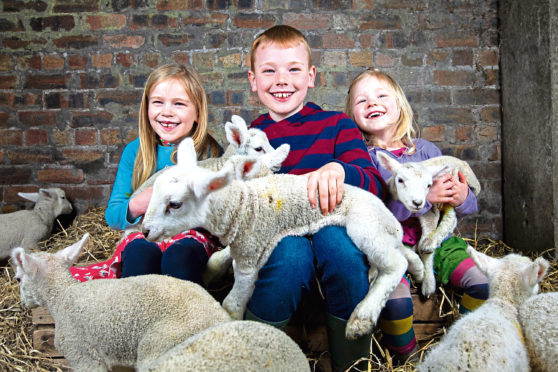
x=328 y=181
x=138 y=204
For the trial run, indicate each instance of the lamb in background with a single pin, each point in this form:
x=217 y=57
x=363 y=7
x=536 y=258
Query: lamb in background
x=113 y=322
x=234 y=346
x=252 y=216
x=410 y=183
x=539 y=321
x=26 y=228
x=490 y=338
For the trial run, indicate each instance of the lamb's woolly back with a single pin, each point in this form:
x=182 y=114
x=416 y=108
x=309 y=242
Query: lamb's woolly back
x=490 y=338
x=26 y=228
x=253 y=216
x=234 y=346
x=539 y=323
x=103 y=323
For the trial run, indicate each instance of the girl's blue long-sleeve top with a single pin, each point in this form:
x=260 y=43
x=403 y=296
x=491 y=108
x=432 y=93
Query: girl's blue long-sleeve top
x=116 y=213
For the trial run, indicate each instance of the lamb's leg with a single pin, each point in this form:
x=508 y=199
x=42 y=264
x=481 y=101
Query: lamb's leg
x=414 y=262
x=428 y=223
x=437 y=231
x=241 y=291
x=382 y=253
x=429 y=283
x=217 y=266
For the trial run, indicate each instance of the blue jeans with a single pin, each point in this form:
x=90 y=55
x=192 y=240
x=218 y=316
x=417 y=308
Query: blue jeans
x=185 y=259
x=331 y=256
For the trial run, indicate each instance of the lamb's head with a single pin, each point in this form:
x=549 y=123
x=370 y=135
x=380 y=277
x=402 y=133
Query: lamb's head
x=410 y=182
x=54 y=198
x=512 y=277
x=180 y=195
x=32 y=269
x=246 y=141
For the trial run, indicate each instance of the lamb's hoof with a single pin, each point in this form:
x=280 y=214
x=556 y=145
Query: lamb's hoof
x=357 y=327
x=427 y=250
x=428 y=288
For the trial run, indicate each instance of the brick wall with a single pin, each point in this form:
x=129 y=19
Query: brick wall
x=72 y=73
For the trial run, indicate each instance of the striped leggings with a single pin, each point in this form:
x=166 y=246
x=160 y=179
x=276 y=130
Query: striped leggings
x=453 y=266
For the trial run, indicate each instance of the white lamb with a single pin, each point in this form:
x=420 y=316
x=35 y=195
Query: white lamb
x=26 y=228
x=410 y=183
x=539 y=320
x=253 y=216
x=113 y=322
x=234 y=346
x=490 y=338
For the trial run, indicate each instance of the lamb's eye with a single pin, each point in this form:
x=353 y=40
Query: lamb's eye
x=175 y=205
x=258 y=149
x=429 y=185
x=400 y=180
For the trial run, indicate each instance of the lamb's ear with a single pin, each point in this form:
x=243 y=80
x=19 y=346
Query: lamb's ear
x=31 y=196
x=212 y=181
x=536 y=271
x=24 y=263
x=484 y=262
x=70 y=254
x=186 y=153
x=387 y=162
x=236 y=131
x=274 y=159
x=439 y=170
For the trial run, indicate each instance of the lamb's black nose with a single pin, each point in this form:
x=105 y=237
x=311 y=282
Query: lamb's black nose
x=417 y=203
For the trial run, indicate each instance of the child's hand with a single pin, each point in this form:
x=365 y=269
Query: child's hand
x=328 y=181
x=138 y=205
x=448 y=189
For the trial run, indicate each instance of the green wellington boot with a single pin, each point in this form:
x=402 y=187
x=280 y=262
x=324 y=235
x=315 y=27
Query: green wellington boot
x=344 y=352
x=279 y=325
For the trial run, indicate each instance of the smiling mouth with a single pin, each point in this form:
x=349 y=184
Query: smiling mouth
x=281 y=95
x=168 y=125
x=375 y=114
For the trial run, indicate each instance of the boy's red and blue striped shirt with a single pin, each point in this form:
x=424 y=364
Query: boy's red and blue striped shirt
x=318 y=137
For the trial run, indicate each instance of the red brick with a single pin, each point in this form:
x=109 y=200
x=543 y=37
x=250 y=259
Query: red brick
x=365 y=41
x=384 y=60
x=81 y=156
x=412 y=5
x=458 y=40
x=211 y=19
x=8 y=82
x=54 y=23
x=362 y=58
x=257 y=21
x=307 y=21
x=14 y=175
x=6 y=62
x=4 y=119
x=101 y=60
x=76 y=62
x=392 y=22
x=488 y=57
x=89 y=119
x=53 y=62
x=487 y=134
x=434 y=134
x=86 y=137
x=36 y=137
x=37 y=118
x=169 y=40
x=463 y=133
x=125 y=59
x=76 y=42
x=462 y=58
x=11 y=137
x=72 y=6
x=179 y=4
x=29 y=157
x=453 y=78
x=45 y=82
x=127 y=98
x=30 y=62
x=150 y=59
x=84 y=192
x=123 y=41
x=60 y=175
x=106 y=22
x=490 y=114
x=110 y=137
x=337 y=41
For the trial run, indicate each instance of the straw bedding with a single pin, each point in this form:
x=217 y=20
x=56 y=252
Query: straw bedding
x=16 y=349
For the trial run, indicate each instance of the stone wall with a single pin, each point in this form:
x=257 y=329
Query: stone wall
x=72 y=73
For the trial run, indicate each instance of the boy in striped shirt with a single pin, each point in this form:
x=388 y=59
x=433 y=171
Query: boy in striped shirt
x=328 y=147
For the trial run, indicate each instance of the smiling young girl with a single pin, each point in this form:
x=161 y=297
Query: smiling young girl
x=378 y=105
x=173 y=107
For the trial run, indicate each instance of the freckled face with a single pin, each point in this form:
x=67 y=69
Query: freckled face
x=281 y=77
x=375 y=107
x=171 y=112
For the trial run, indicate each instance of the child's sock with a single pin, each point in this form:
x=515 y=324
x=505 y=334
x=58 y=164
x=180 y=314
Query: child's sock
x=396 y=322
x=474 y=283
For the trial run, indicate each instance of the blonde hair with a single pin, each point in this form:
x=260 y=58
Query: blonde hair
x=405 y=131
x=146 y=159
x=283 y=35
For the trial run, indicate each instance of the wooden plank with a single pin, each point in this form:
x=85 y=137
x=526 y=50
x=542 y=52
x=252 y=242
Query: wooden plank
x=425 y=331
x=43 y=341
x=41 y=315
x=427 y=310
